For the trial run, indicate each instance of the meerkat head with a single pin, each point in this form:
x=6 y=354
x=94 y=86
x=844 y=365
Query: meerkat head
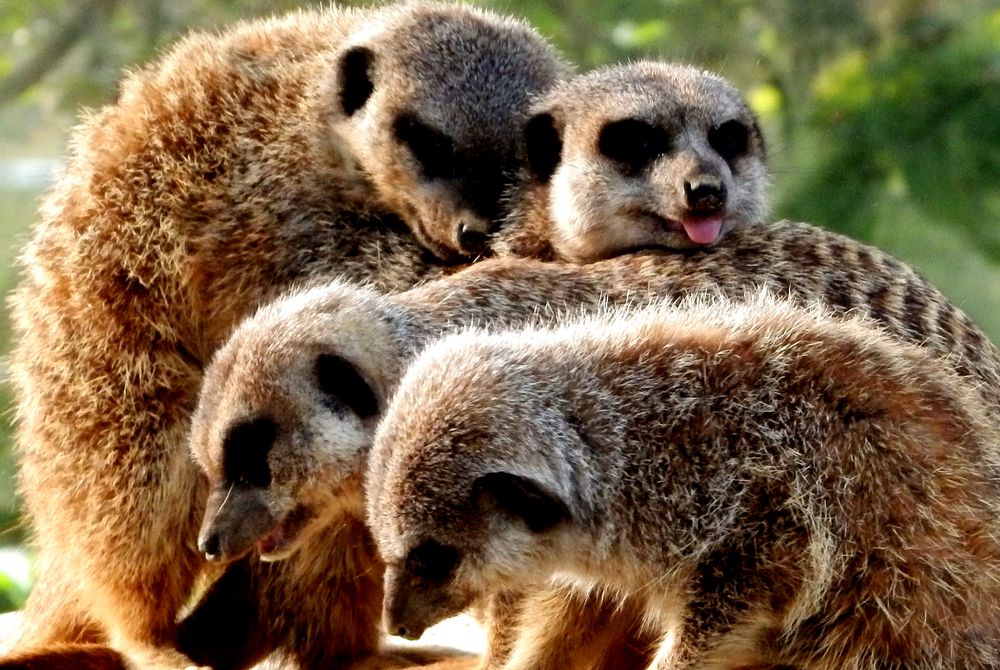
x=646 y=155
x=463 y=491
x=284 y=422
x=430 y=102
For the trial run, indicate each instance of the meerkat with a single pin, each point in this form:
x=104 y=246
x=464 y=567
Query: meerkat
x=706 y=168
x=709 y=141
x=367 y=144
x=308 y=459
x=669 y=131
x=290 y=403
x=634 y=156
x=784 y=488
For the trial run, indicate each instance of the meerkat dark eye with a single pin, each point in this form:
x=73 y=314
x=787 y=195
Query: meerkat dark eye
x=432 y=561
x=731 y=139
x=344 y=388
x=433 y=149
x=245 y=452
x=633 y=143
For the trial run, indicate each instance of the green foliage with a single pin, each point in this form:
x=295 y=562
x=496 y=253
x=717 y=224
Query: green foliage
x=12 y=594
x=15 y=579
x=916 y=119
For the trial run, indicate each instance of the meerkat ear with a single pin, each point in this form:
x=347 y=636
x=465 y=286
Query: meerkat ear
x=543 y=145
x=354 y=79
x=522 y=499
x=344 y=388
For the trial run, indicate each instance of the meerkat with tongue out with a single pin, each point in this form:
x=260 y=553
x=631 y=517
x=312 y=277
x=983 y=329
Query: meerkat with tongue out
x=636 y=156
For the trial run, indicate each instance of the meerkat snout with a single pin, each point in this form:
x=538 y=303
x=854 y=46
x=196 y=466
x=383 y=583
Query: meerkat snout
x=237 y=515
x=241 y=517
x=705 y=194
x=410 y=605
x=209 y=546
x=706 y=200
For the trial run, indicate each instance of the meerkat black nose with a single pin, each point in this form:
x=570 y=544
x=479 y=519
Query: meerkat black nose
x=705 y=195
x=210 y=546
x=401 y=631
x=472 y=238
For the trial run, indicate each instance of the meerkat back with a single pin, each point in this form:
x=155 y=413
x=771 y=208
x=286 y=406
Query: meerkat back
x=637 y=156
x=320 y=144
x=727 y=462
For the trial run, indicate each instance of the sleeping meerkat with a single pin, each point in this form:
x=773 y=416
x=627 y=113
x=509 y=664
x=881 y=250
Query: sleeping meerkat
x=784 y=488
x=634 y=156
x=353 y=143
x=311 y=373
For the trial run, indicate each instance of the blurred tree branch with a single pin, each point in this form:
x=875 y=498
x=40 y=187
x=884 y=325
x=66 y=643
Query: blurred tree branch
x=76 y=24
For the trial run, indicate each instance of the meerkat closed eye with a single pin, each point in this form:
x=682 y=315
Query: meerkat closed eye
x=784 y=488
x=636 y=156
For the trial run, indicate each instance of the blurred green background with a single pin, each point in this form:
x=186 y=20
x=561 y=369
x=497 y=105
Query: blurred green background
x=883 y=118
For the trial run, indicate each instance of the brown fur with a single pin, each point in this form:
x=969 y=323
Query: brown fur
x=637 y=156
x=269 y=368
x=68 y=657
x=783 y=487
x=236 y=165
x=584 y=629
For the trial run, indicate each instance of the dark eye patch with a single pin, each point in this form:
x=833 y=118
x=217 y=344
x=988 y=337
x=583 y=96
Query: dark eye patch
x=434 y=150
x=633 y=143
x=432 y=561
x=731 y=139
x=356 y=83
x=245 y=451
x=344 y=388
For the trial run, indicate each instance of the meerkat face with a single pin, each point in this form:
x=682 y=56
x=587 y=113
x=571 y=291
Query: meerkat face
x=281 y=430
x=459 y=507
x=437 y=566
x=431 y=105
x=646 y=155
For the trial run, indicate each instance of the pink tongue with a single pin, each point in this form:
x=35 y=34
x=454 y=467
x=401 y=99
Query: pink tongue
x=702 y=231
